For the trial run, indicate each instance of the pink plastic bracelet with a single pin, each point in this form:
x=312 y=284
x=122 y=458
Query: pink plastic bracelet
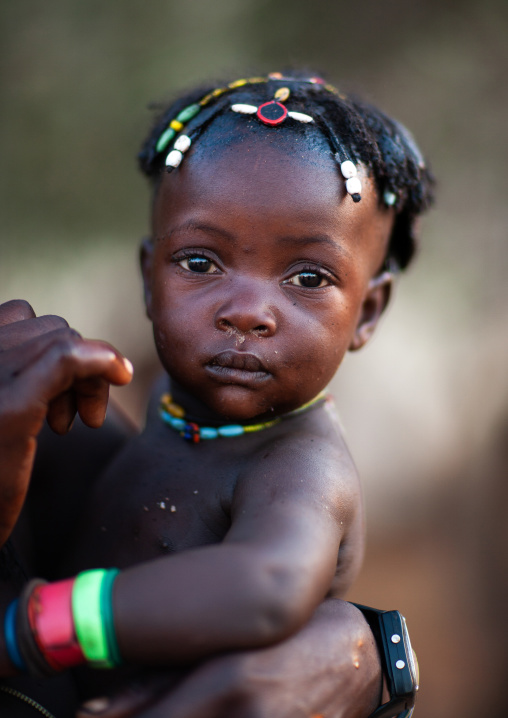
x=50 y=617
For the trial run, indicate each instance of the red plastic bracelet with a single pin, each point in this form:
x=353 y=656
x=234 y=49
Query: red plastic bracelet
x=52 y=624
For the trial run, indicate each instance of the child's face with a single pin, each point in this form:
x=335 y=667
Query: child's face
x=261 y=275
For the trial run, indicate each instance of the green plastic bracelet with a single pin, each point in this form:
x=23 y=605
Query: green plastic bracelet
x=107 y=615
x=89 y=622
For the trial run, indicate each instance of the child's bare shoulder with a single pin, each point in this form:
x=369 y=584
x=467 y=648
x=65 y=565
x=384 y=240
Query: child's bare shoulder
x=304 y=477
x=308 y=457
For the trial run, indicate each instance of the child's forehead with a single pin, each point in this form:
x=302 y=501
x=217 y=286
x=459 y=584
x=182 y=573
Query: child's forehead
x=257 y=170
x=279 y=180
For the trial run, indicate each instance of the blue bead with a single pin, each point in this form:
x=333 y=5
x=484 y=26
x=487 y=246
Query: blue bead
x=231 y=430
x=177 y=424
x=208 y=432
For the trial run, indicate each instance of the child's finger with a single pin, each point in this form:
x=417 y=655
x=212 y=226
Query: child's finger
x=62 y=411
x=15 y=311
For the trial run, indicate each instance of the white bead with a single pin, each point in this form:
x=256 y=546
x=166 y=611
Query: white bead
x=353 y=185
x=182 y=144
x=348 y=169
x=400 y=665
x=174 y=158
x=390 y=198
x=244 y=109
x=301 y=117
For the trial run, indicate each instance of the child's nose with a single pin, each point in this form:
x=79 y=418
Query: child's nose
x=247 y=308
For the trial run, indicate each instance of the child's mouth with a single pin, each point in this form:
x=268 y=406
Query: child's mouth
x=237 y=367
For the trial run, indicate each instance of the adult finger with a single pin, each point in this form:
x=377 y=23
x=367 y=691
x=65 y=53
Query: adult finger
x=16 y=310
x=19 y=332
x=205 y=693
x=62 y=412
x=92 y=400
x=131 y=700
x=27 y=393
x=17 y=358
x=70 y=358
x=66 y=362
x=88 y=398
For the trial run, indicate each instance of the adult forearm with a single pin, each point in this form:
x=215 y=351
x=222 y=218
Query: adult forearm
x=330 y=667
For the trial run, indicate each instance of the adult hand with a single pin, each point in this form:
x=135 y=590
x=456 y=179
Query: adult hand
x=330 y=668
x=46 y=371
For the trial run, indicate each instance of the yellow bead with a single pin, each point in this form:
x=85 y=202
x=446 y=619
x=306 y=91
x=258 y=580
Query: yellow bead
x=237 y=83
x=282 y=94
x=206 y=99
x=253 y=427
x=176 y=125
x=166 y=399
x=176 y=410
x=258 y=427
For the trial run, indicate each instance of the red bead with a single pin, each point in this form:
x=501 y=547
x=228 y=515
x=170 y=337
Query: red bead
x=276 y=113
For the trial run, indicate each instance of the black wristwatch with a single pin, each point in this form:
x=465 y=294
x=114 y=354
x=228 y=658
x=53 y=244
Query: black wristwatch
x=397 y=661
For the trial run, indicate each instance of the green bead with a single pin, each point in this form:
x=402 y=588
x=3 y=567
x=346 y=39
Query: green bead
x=188 y=113
x=165 y=139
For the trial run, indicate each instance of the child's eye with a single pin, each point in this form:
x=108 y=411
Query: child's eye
x=199 y=264
x=308 y=279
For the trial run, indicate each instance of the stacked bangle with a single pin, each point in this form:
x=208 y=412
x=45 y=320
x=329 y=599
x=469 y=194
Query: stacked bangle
x=51 y=621
x=93 y=617
x=54 y=626
x=35 y=660
x=11 y=639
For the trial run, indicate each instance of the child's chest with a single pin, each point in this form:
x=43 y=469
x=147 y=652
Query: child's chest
x=156 y=498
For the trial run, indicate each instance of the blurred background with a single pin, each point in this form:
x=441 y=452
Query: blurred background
x=425 y=406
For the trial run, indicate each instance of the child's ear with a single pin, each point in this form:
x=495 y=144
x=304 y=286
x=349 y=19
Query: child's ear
x=374 y=304
x=145 y=258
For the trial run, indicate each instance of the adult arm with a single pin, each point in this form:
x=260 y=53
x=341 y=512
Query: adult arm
x=46 y=371
x=329 y=668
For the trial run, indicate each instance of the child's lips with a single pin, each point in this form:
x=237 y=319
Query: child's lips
x=232 y=367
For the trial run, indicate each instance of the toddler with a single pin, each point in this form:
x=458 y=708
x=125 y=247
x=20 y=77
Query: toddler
x=281 y=211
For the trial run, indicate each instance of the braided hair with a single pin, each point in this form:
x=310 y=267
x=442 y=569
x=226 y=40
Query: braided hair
x=351 y=127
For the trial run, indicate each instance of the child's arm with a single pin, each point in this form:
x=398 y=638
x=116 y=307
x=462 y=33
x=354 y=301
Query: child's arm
x=263 y=582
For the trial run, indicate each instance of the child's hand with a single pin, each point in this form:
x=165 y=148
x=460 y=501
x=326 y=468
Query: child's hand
x=46 y=371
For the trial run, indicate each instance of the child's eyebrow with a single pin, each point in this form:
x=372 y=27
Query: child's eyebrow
x=201 y=227
x=315 y=239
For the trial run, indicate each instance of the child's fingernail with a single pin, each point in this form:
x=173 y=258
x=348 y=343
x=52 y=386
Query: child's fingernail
x=95 y=706
x=128 y=365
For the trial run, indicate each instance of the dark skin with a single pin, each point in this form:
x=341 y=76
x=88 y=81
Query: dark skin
x=256 y=284
x=291 y=279
x=318 y=664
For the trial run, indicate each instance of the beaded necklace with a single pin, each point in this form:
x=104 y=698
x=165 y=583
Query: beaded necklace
x=174 y=416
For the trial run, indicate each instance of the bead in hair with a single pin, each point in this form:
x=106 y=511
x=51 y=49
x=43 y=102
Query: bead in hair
x=272 y=114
